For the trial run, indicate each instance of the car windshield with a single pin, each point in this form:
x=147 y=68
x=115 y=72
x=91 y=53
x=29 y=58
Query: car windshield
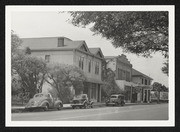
x=114 y=96
x=81 y=96
x=38 y=95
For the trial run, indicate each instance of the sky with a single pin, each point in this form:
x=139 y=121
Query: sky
x=30 y=24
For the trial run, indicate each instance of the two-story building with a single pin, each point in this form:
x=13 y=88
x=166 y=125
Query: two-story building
x=143 y=90
x=66 y=51
x=129 y=80
x=123 y=73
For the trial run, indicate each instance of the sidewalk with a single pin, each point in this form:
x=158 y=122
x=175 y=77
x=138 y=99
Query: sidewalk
x=19 y=109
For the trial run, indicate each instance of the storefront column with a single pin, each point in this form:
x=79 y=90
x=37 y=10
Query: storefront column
x=96 y=92
x=131 y=94
x=150 y=96
x=99 y=93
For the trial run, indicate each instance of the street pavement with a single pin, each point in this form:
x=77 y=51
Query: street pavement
x=131 y=112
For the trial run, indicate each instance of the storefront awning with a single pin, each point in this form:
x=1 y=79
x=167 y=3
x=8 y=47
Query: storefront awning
x=91 y=80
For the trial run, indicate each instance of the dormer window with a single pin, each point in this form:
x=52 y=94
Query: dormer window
x=60 y=42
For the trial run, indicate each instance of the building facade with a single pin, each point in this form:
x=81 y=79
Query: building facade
x=66 y=51
x=129 y=80
x=143 y=89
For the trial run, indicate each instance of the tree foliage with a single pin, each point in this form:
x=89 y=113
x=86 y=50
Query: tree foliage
x=142 y=33
x=31 y=71
x=15 y=43
x=109 y=87
x=159 y=88
x=61 y=77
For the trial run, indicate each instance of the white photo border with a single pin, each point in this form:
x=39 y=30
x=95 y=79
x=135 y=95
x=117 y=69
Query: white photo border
x=133 y=123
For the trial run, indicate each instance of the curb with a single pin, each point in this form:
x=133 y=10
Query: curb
x=22 y=109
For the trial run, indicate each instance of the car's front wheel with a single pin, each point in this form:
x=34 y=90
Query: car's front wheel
x=60 y=106
x=85 y=105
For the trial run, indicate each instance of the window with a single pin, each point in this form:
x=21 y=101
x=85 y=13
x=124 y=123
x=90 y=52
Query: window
x=142 y=80
x=123 y=75
x=60 y=42
x=127 y=76
x=119 y=74
x=47 y=58
x=145 y=82
x=149 y=82
x=81 y=62
x=89 y=66
x=97 y=68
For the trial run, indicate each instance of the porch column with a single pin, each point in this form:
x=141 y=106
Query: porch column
x=96 y=92
x=131 y=94
x=99 y=93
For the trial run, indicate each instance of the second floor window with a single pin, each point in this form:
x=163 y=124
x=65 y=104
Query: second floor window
x=89 y=66
x=119 y=74
x=142 y=81
x=97 y=68
x=145 y=82
x=127 y=76
x=47 y=58
x=81 y=62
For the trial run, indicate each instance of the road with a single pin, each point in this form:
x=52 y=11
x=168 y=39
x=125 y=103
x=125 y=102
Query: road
x=131 y=112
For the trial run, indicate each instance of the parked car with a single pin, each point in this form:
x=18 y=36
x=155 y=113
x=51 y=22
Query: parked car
x=116 y=99
x=44 y=101
x=81 y=101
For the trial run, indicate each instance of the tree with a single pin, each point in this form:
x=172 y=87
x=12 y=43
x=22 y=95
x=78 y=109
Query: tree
x=109 y=86
x=158 y=87
x=15 y=43
x=31 y=71
x=142 y=33
x=61 y=77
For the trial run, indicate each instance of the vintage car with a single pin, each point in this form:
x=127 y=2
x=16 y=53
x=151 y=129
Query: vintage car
x=81 y=101
x=44 y=101
x=115 y=100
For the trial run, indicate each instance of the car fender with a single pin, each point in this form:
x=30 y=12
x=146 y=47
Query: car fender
x=43 y=103
x=85 y=101
x=56 y=103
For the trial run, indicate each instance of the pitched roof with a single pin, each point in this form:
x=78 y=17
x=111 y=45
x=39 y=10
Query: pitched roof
x=95 y=51
x=109 y=57
x=138 y=73
x=49 y=43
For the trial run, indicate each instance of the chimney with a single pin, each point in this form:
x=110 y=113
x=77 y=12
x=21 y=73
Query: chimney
x=60 y=42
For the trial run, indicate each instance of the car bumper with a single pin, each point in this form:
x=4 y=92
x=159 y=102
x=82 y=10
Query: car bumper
x=34 y=107
x=111 y=103
x=77 y=104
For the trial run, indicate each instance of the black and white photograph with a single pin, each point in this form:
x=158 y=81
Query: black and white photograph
x=90 y=66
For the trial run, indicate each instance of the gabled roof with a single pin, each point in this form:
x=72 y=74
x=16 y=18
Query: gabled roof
x=109 y=57
x=95 y=51
x=49 y=43
x=138 y=73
